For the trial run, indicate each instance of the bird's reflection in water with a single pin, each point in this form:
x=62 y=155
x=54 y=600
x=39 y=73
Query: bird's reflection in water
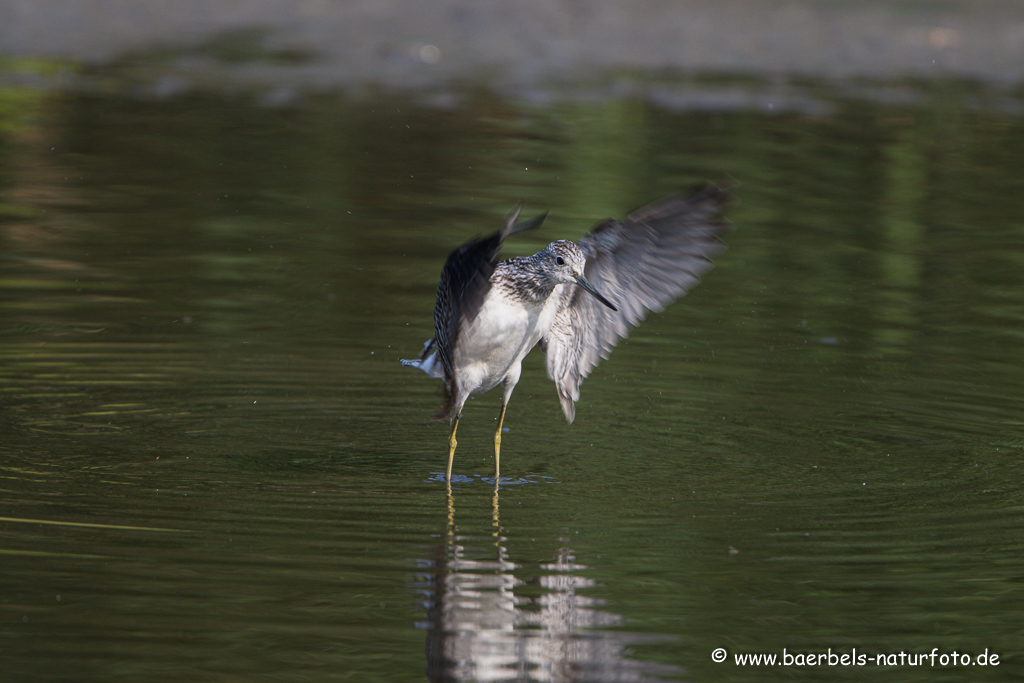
x=480 y=629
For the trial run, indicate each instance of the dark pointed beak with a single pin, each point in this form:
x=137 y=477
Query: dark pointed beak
x=585 y=284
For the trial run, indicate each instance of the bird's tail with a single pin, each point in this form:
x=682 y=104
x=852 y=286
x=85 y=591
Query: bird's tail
x=428 y=361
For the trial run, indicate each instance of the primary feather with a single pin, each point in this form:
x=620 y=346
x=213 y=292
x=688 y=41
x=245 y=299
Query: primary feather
x=643 y=262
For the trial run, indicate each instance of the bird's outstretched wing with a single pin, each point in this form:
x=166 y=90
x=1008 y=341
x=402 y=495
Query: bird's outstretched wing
x=642 y=263
x=465 y=280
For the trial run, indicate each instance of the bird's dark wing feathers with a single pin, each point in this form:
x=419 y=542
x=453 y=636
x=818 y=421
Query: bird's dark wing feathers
x=465 y=281
x=641 y=263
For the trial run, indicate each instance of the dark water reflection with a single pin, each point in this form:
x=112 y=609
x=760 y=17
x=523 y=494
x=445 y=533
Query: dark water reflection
x=212 y=465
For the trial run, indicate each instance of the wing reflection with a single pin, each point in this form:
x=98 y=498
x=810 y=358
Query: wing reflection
x=480 y=629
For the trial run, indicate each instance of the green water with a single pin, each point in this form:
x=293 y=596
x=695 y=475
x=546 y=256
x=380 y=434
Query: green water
x=213 y=467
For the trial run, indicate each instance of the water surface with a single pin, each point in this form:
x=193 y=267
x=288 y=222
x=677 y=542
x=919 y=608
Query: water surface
x=213 y=466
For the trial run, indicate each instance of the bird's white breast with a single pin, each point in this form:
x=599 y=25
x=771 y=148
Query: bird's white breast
x=504 y=331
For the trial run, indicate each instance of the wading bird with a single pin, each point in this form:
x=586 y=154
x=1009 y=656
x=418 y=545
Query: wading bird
x=574 y=300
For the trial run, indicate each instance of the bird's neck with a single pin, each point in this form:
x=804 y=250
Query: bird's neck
x=524 y=279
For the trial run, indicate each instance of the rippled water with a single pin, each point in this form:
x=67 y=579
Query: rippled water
x=214 y=468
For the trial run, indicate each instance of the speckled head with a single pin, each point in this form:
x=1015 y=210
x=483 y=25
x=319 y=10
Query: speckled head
x=565 y=263
x=562 y=261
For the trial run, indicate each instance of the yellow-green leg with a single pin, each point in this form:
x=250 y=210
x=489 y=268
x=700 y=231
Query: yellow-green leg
x=452 y=443
x=497 y=443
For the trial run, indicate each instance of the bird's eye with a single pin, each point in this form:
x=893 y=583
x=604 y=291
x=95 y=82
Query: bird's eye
x=559 y=260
